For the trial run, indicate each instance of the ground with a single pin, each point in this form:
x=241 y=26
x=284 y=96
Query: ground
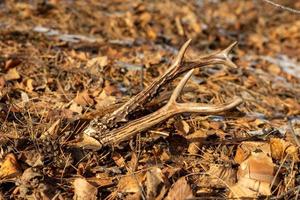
x=64 y=63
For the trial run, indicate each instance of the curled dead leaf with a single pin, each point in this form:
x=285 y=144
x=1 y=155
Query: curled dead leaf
x=10 y=167
x=12 y=74
x=181 y=190
x=245 y=148
x=83 y=98
x=218 y=176
x=281 y=148
x=52 y=130
x=154 y=178
x=131 y=183
x=86 y=142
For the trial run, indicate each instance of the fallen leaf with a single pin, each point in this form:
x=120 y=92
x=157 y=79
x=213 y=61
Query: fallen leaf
x=10 y=167
x=131 y=183
x=13 y=62
x=281 y=148
x=86 y=142
x=33 y=158
x=102 y=180
x=2 y=83
x=12 y=74
x=182 y=127
x=84 y=190
x=218 y=176
x=119 y=160
x=76 y=108
x=154 y=178
x=255 y=174
x=239 y=191
x=245 y=148
x=258 y=166
x=52 y=130
x=83 y=99
x=29 y=86
x=133 y=163
x=181 y=190
x=100 y=61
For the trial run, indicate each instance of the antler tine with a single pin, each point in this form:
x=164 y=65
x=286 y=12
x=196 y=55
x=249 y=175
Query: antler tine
x=224 y=55
x=208 y=109
x=179 y=56
x=180 y=86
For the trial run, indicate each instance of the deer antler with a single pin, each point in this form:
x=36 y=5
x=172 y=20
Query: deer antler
x=100 y=128
x=170 y=109
x=178 y=67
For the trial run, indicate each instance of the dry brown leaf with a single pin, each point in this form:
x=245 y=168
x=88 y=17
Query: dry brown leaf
x=52 y=130
x=84 y=190
x=104 y=100
x=83 y=99
x=258 y=166
x=101 y=180
x=154 y=178
x=131 y=183
x=196 y=139
x=165 y=156
x=263 y=188
x=10 y=167
x=245 y=148
x=86 y=142
x=274 y=69
x=33 y=158
x=13 y=62
x=112 y=90
x=119 y=160
x=281 y=148
x=29 y=86
x=239 y=191
x=218 y=176
x=12 y=74
x=2 y=83
x=133 y=163
x=194 y=148
x=255 y=174
x=182 y=127
x=180 y=190
x=75 y=108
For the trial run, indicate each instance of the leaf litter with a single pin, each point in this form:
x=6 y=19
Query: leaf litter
x=64 y=63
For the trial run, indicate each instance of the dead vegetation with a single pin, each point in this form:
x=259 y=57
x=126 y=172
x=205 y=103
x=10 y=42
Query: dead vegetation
x=94 y=103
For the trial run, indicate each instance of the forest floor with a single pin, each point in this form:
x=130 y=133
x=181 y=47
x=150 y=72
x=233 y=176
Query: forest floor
x=64 y=63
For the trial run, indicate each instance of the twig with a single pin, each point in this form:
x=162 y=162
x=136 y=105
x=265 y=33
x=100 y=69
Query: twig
x=282 y=7
x=293 y=133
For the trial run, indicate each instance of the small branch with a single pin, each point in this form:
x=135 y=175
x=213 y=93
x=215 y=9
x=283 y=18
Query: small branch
x=282 y=7
x=293 y=133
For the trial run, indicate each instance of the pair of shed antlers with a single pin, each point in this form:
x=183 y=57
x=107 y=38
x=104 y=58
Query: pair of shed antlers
x=106 y=129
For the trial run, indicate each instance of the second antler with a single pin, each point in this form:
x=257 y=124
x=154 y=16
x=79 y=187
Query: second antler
x=170 y=109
